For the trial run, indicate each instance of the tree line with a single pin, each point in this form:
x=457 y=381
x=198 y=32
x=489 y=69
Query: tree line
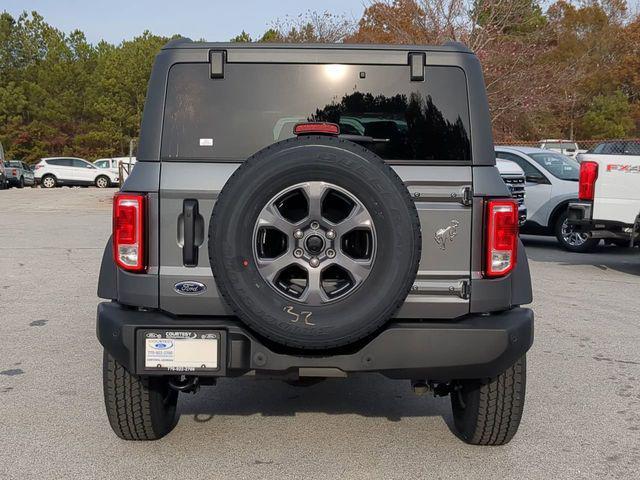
x=560 y=70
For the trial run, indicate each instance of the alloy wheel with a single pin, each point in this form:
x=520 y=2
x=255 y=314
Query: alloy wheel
x=570 y=236
x=314 y=242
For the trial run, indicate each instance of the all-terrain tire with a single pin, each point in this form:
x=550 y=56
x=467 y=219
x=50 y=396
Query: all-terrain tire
x=352 y=168
x=489 y=412
x=138 y=408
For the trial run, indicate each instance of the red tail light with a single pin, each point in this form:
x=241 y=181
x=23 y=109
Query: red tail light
x=129 y=231
x=39 y=166
x=315 y=128
x=588 y=177
x=502 y=237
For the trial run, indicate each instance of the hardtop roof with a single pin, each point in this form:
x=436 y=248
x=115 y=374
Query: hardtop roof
x=190 y=44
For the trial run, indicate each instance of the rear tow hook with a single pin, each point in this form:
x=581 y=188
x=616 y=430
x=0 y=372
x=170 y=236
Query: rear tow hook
x=185 y=384
x=420 y=387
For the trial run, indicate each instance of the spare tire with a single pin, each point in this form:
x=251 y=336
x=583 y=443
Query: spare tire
x=314 y=242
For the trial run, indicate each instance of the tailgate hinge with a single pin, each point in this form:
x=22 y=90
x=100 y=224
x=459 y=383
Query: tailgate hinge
x=465 y=289
x=416 y=66
x=217 y=59
x=467 y=196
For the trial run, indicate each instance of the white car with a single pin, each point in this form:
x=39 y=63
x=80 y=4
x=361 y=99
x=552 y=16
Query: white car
x=565 y=147
x=551 y=184
x=58 y=171
x=112 y=164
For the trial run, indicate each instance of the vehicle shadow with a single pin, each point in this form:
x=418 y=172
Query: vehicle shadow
x=604 y=257
x=364 y=395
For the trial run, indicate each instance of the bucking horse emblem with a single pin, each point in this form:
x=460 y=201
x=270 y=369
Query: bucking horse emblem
x=447 y=234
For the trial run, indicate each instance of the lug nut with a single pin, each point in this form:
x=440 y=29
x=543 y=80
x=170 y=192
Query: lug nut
x=314 y=262
x=298 y=234
x=297 y=252
x=331 y=234
x=331 y=253
x=315 y=225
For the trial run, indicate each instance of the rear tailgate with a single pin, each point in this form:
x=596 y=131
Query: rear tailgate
x=441 y=288
x=617 y=192
x=211 y=124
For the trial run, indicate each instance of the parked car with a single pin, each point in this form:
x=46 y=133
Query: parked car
x=609 y=193
x=3 y=173
x=58 y=171
x=551 y=184
x=318 y=255
x=565 y=147
x=112 y=164
x=514 y=177
x=19 y=174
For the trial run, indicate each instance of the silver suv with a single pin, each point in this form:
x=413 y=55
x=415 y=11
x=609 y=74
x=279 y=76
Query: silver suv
x=371 y=234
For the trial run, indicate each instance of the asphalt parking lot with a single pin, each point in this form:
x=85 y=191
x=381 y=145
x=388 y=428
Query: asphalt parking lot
x=582 y=414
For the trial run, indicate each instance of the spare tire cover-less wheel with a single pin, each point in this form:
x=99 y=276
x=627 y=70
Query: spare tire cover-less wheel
x=314 y=242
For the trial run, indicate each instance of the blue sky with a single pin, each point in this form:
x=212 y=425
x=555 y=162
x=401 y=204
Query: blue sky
x=213 y=20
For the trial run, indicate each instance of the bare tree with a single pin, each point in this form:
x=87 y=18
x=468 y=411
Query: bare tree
x=314 y=27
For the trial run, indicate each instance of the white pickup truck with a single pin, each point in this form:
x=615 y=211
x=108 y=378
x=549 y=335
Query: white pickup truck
x=609 y=193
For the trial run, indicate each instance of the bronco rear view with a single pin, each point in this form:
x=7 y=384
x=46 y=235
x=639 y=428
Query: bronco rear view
x=300 y=212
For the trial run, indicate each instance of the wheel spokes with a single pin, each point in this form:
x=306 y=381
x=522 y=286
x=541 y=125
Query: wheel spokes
x=314 y=293
x=271 y=267
x=358 y=218
x=329 y=247
x=358 y=269
x=314 y=191
x=271 y=217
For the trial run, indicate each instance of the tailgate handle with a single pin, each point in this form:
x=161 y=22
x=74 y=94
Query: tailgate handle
x=190 y=215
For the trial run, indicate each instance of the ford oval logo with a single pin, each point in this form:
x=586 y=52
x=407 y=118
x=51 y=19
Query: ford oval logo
x=190 y=288
x=163 y=344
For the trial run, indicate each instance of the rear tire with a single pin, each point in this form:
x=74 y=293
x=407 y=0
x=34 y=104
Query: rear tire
x=102 y=182
x=138 y=408
x=49 y=181
x=570 y=240
x=489 y=412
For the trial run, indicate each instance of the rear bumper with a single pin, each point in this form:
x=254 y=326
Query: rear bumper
x=580 y=215
x=475 y=346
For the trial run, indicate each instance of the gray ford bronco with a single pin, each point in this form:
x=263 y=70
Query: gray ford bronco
x=300 y=212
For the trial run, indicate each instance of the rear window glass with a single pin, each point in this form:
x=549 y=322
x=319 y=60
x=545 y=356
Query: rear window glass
x=561 y=145
x=61 y=162
x=256 y=105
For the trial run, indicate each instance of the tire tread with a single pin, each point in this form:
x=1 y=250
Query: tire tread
x=499 y=408
x=128 y=402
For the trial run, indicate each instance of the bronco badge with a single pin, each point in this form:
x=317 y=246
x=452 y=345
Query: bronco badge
x=444 y=235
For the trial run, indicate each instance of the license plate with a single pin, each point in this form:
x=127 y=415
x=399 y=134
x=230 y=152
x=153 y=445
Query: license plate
x=181 y=351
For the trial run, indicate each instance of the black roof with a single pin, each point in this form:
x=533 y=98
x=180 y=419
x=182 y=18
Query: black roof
x=188 y=43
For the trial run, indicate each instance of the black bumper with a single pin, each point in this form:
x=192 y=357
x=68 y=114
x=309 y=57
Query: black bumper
x=579 y=215
x=475 y=346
